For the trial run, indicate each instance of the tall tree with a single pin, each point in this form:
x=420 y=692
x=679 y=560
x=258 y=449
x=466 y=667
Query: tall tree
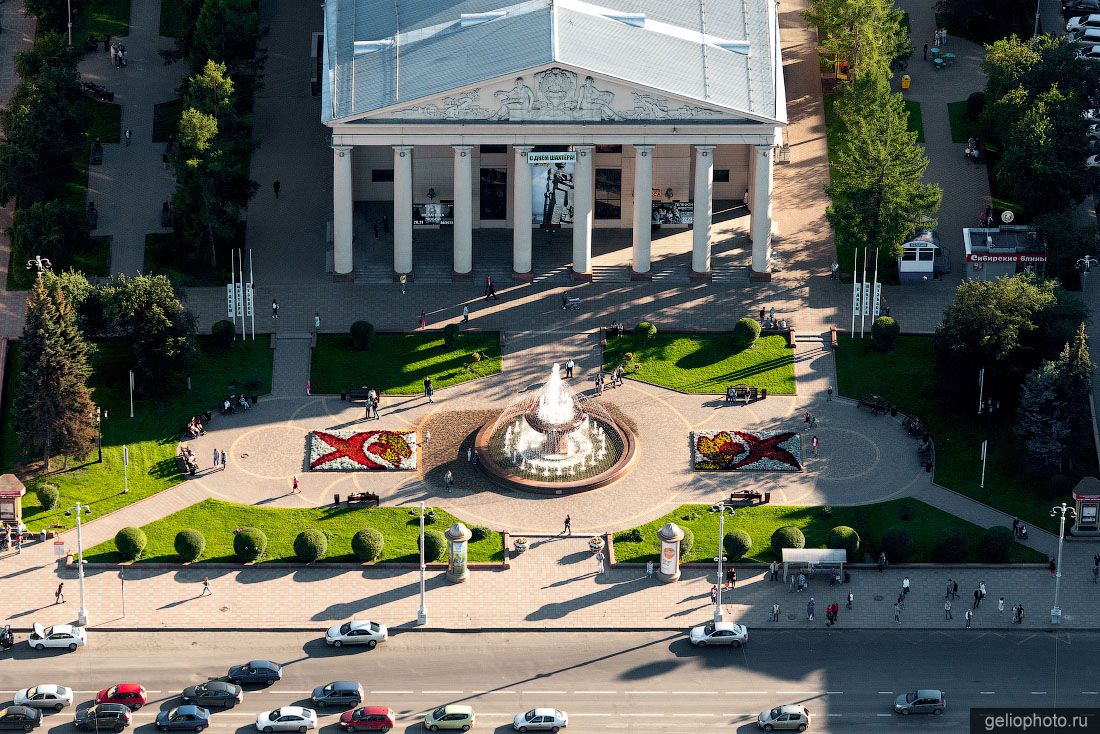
x=228 y=31
x=865 y=33
x=52 y=229
x=1066 y=245
x=53 y=410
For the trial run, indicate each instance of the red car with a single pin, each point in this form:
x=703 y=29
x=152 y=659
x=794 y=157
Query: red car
x=130 y=695
x=368 y=718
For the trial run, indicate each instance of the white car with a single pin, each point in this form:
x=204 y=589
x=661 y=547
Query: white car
x=1083 y=21
x=59 y=636
x=540 y=720
x=45 y=696
x=357 y=632
x=719 y=633
x=1089 y=54
x=1093 y=161
x=288 y=718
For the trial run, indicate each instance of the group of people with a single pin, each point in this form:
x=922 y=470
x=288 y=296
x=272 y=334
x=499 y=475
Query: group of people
x=118 y=55
x=986 y=218
x=1019 y=529
x=231 y=403
x=12 y=538
x=189 y=460
x=974 y=151
x=940 y=37
x=195 y=426
x=373 y=400
x=616 y=379
x=618 y=327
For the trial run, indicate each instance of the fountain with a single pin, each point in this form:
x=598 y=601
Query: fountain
x=554 y=442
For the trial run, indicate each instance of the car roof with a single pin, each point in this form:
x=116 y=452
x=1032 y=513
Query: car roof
x=263 y=664
x=110 y=707
x=457 y=708
x=792 y=709
x=345 y=684
x=25 y=710
x=358 y=623
x=384 y=710
x=546 y=712
x=129 y=688
x=188 y=708
x=929 y=693
x=217 y=685
x=47 y=688
x=727 y=626
x=289 y=710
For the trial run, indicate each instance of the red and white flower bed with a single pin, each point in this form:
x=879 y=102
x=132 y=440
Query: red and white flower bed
x=362 y=450
x=744 y=451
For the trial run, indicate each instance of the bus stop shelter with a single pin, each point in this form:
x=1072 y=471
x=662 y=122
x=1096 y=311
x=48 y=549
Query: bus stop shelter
x=808 y=559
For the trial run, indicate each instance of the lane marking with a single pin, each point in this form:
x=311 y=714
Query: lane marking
x=799 y=693
x=595 y=693
x=834 y=715
x=545 y=693
x=644 y=716
x=884 y=715
x=834 y=693
x=380 y=693
x=697 y=715
x=1038 y=693
x=887 y=692
x=745 y=693
x=986 y=693
x=694 y=693
x=438 y=692
x=572 y=715
x=646 y=693
x=1090 y=693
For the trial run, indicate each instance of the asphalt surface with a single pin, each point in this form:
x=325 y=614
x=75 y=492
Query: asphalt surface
x=653 y=682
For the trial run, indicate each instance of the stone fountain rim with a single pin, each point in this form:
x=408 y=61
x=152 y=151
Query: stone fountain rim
x=506 y=479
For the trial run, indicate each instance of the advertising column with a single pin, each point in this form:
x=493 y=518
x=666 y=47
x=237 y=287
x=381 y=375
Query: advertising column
x=670 y=536
x=458 y=537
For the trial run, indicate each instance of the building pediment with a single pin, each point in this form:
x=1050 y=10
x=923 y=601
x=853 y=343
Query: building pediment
x=551 y=94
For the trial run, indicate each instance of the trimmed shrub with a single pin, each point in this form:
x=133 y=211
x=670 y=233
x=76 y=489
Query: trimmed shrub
x=844 y=538
x=634 y=535
x=189 y=545
x=737 y=544
x=975 y=103
x=222 y=333
x=367 y=545
x=687 y=543
x=250 y=544
x=745 y=333
x=897 y=544
x=362 y=335
x=48 y=495
x=450 y=334
x=435 y=546
x=1059 y=485
x=996 y=544
x=479 y=532
x=952 y=547
x=787 y=536
x=130 y=542
x=310 y=545
x=884 y=334
x=646 y=330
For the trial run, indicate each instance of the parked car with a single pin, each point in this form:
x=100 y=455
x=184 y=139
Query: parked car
x=719 y=633
x=541 y=720
x=1092 y=162
x=922 y=701
x=368 y=718
x=287 y=718
x=22 y=718
x=781 y=718
x=214 y=693
x=1085 y=37
x=1081 y=7
x=357 y=632
x=131 y=695
x=59 y=636
x=103 y=717
x=451 y=716
x=1083 y=21
x=338 y=693
x=45 y=696
x=256 y=671
x=188 y=717
x=1089 y=54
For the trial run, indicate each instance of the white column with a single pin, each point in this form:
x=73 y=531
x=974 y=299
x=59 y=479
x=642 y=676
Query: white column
x=521 y=213
x=704 y=186
x=761 y=222
x=582 y=213
x=402 y=209
x=342 y=227
x=464 y=203
x=643 y=190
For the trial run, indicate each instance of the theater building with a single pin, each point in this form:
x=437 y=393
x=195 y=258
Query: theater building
x=551 y=114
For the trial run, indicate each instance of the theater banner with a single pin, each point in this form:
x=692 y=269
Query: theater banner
x=674 y=213
x=552 y=188
x=434 y=214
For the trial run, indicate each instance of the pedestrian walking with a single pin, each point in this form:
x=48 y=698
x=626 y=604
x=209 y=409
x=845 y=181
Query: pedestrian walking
x=465 y=314
x=731 y=578
x=427 y=436
x=423 y=319
x=276 y=186
x=164 y=161
x=274 y=309
x=714 y=594
x=469 y=454
x=801 y=581
x=1053 y=567
x=954 y=589
x=569 y=367
x=649 y=568
x=814 y=444
x=969 y=617
x=851 y=600
x=834 y=270
x=450 y=479
x=568 y=525
x=829 y=394
x=981 y=588
x=129 y=135
x=59 y=595
x=790 y=588
x=947 y=610
x=977 y=599
x=307 y=387
x=926 y=52
x=762 y=312
x=775 y=612
x=114 y=54
x=403 y=279
x=216 y=457
x=897 y=613
x=429 y=391
x=316 y=322
x=949 y=586
x=1001 y=605
x=294 y=486
x=774 y=570
x=223 y=460
x=810 y=610
x=385 y=224
x=206 y=590
x=905 y=586
x=882 y=564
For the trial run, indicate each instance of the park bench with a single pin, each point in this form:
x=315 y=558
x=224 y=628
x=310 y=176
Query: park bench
x=750 y=497
x=368 y=498
x=571 y=303
x=355 y=393
x=875 y=403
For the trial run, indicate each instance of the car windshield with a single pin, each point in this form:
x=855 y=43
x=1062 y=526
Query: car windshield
x=3 y=713
x=32 y=691
x=910 y=697
x=529 y=715
x=112 y=691
x=329 y=688
x=173 y=713
x=709 y=629
x=345 y=628
x=439 y=712
x=775 y=713
x=375 y=626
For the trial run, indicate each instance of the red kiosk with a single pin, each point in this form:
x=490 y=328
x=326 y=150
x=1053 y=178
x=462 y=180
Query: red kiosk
x=1087 y=496
x=11 y=501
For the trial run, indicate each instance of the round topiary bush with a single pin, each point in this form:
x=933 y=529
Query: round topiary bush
x=479 y=532
x=884 y=334
x=189 y=545
x=646 y=330
x=996 y=544
x=634 y=535
x=250 y=544
x=897 y=544
x=745 y=333
x=435 y=546
x=687 y=543
x=844 y=538
x=975 y=103
x=367 y=545
x=221 y=335
x=1059 y=485
x=311 y=545
x=48 y=495
x=787 y=536
x=362 y=335
x=953 y=547
x=130 y=542
x=450 y=334
x=736 y=543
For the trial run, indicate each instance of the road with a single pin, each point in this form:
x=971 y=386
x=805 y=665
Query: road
x=653 y=682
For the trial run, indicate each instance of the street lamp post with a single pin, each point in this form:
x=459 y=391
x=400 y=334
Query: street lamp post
x=1085 y=265
x=99 y=432
x=39 y=264
x=720 y=508
x=79 y=510
x=422 y=612
x=1060 y=511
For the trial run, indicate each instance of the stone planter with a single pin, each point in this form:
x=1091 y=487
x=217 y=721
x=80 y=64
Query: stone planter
x=520 y=545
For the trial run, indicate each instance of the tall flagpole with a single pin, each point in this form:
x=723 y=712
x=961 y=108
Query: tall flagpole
x=855 y=287
x=252 y=293
x=863 y=305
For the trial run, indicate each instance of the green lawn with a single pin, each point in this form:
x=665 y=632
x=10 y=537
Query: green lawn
x=152 y=434
x=217 y=520
x=96 y=261
x=166 y=115
x=705 y=363
x=172 y=19
x=97 y=17
x=916 y=122
x=398 y=363
x=963 y=127
x=906 y=377
x=925 y=523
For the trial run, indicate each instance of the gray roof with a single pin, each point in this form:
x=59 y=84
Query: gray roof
x=431 y=53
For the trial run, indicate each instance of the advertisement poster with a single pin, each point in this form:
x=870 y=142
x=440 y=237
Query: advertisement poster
x=433 y=214
x=668 y=557
x=552 y=188
x=673 y=213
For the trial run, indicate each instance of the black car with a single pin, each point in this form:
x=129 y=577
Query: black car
x=23 y=718
x=105 y=716
x=256 y=671
x=1081 y=7
x=186 y=717
x=214 y=693
x=338 y=693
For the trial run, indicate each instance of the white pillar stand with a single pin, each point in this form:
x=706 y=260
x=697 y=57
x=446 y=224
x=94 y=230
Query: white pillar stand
x=643 y=213
x=582 y=213
x=761 y=216
x=704 y=185
x=463 y=208
x=342 y=208
x=402 y=209
x=521 y=215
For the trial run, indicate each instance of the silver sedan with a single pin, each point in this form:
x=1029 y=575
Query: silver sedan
x=541 y=720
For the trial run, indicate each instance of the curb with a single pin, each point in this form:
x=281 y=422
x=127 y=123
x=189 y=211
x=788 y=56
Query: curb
x=539 y=630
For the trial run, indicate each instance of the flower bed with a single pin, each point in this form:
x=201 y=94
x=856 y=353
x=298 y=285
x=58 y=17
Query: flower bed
x=743 y=451
x=362 y=450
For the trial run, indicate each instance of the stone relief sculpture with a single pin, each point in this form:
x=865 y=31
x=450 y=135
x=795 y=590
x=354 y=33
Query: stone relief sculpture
x=648 y=107
x=517 y=100
x=595 y=101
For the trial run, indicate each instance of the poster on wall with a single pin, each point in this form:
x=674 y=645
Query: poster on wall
x=434 y=214
x=552 y=188
x=674 y=213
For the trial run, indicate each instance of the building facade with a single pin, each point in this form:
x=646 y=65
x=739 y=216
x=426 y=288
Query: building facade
x=552 y=114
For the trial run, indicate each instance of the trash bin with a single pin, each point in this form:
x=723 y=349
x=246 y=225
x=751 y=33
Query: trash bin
x=335 y=499
x=905 y=81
